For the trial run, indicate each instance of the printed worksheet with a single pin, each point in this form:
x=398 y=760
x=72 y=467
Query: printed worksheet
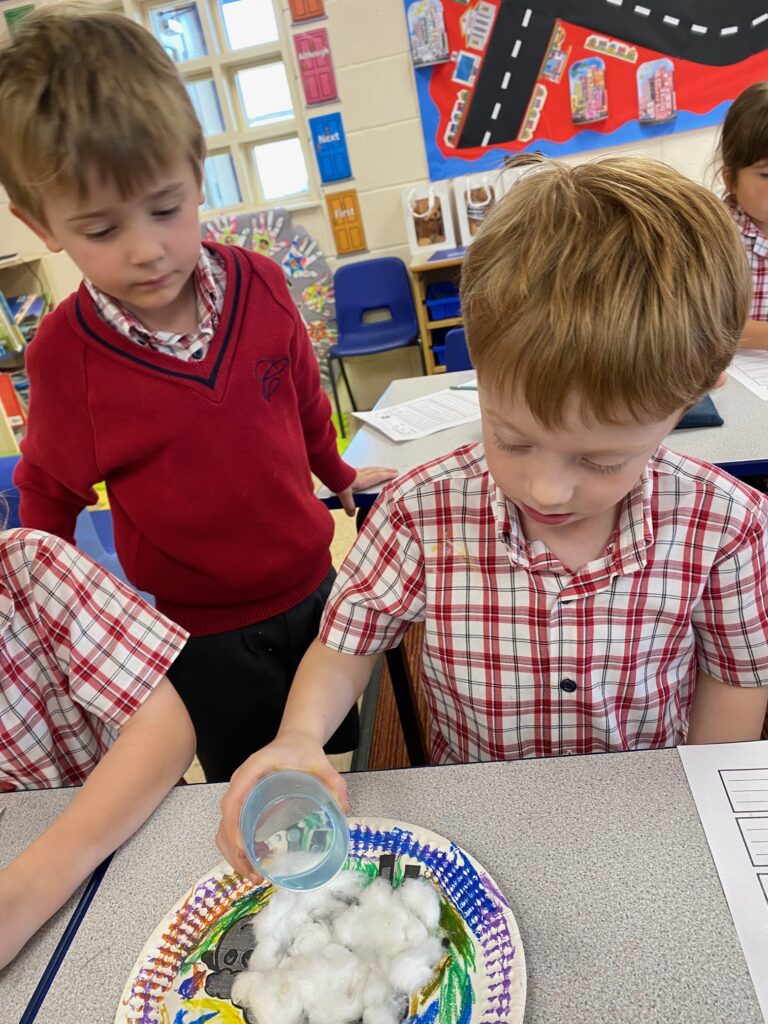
x=729 y=782
x=422 y=416
x=750 y=368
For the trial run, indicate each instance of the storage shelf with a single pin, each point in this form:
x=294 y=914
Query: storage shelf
x=21 y=275
x=19 y=261
x=423 y=275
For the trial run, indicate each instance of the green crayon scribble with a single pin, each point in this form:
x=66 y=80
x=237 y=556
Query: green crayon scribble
x=249 y=904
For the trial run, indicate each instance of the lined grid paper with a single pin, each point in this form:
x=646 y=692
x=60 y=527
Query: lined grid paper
x=747 y=789
x=754 y=832
x=729 y=783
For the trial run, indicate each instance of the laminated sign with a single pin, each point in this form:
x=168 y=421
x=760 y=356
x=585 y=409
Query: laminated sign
x=313 y=55
x=346 y=221
x=330 y=147
x=306 y=10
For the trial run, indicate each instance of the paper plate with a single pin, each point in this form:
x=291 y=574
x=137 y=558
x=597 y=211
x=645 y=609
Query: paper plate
x=184 y=973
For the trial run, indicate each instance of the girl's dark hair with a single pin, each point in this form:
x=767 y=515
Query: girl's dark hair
x=744 y=138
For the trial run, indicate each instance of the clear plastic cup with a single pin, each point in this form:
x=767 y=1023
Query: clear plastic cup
x=293 y=830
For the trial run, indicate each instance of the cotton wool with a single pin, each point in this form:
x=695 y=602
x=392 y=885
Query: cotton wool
x=351 y=951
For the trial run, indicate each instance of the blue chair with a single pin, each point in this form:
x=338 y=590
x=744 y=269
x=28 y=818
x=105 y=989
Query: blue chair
x=93 y=530
x=9 y=491
x=374 y=313
x=456 y=351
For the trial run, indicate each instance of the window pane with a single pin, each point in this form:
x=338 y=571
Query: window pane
x=206 y=103
x=264 y=94
x=248 y=22
x=179 y=30
x=220 y=186
x=281 y=168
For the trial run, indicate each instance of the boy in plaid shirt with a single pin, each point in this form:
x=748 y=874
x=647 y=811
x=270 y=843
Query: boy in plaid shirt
x=84 y=701
x=583 y=588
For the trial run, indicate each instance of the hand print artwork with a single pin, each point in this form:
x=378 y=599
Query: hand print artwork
x=265 y=232
x=297 y=262
x=270 y=233
x=225 y=230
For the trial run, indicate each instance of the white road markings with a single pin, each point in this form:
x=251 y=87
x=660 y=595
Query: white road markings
x=639 y=9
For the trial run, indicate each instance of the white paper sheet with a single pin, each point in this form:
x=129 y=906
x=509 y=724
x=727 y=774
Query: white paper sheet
x=424 y=416
x=729 y=782
x=750 y=368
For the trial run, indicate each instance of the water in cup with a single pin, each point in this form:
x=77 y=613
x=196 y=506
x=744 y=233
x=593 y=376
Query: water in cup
x=293 y=830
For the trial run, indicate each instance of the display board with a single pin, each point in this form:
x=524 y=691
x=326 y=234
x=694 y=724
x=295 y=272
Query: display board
x=496 y=77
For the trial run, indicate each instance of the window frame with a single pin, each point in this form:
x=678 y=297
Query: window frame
x=221 y=64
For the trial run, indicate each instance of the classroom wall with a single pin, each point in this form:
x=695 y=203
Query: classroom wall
x=378 y=103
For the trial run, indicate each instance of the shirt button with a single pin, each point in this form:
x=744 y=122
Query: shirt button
x=568 y=685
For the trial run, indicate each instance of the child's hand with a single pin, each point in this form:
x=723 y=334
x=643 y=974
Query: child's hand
x=366 y=478
x=293 y=751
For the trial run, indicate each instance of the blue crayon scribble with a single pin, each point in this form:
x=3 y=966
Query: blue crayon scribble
x=181 y=1015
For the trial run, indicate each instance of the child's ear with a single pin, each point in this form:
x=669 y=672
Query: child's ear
x=728 y=180
x=42 y=233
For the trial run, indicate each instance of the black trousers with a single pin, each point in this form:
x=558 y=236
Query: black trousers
x=235 y=685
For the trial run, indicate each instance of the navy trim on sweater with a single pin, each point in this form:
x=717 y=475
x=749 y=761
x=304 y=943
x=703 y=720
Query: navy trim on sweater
x=209 y=381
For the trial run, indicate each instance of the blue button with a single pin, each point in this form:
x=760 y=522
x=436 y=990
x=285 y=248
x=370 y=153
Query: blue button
x=569 y=685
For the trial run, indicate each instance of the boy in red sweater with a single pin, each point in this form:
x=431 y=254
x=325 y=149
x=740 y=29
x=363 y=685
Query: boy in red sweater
x=180 y=374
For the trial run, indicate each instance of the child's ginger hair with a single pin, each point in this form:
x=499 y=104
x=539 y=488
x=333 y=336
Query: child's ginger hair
x=87 y=95
x=620 y=281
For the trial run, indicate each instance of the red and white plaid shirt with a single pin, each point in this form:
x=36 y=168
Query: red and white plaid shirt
x=210 y=284
x=79 y=654
x=756 y=247
x=524 y=658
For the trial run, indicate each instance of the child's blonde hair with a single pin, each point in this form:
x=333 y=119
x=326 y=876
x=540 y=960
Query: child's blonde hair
x=744 y=135
x=84 y=94
x=620 y=281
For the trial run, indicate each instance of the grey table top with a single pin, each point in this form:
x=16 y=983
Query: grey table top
x=26 y=816
x=742 y=438
x=602 y=858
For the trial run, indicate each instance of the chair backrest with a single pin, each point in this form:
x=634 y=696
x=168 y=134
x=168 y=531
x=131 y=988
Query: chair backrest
x=93 y=535
x=456 y=351
x=93 y=530
x=373 y=285
x=9 y=491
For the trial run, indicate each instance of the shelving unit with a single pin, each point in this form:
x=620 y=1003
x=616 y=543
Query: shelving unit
x=20 y=275
x=423 y=274
x=24 y=274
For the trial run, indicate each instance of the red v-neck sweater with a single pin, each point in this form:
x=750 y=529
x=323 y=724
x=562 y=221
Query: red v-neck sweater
x=208 y=465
